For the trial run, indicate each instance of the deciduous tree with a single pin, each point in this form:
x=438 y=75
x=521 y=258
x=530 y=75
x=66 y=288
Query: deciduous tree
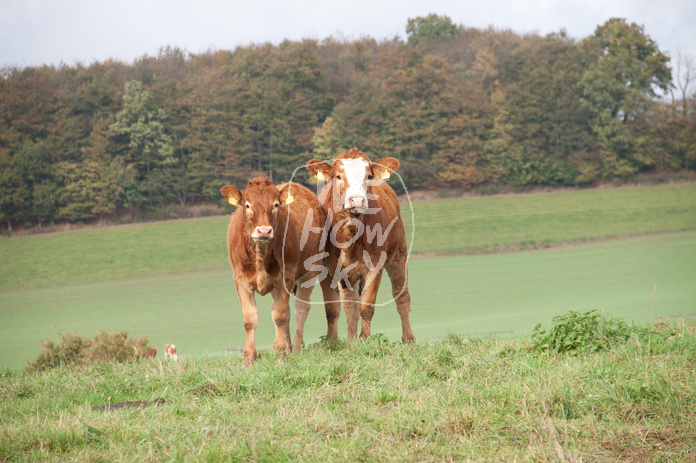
x=625 y=73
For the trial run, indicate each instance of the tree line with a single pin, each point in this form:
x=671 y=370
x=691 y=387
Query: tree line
x=458 y=106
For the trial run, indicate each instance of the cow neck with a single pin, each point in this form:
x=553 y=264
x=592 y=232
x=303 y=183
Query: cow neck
x=264 y=253
x=348 y=229
x=264 y=257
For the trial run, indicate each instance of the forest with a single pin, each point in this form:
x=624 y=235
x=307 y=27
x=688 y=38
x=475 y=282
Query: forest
x=459 y=107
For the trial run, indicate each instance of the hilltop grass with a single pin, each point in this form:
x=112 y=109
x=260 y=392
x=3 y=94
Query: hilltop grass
x=450 y=226
x=113 y=252
x=451 y=400
x=530 y=221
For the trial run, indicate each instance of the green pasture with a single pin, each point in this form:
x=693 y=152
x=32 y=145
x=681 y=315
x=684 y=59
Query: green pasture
x=171 y=281
x=502 y=294
x=532 y=221
x=454 y=399
x=450 y=400
x=448 y=226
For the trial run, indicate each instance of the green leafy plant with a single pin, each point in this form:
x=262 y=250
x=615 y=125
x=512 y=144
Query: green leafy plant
x=577 y=332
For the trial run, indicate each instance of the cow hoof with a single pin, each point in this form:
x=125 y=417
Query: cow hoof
x=281 y=347
x=249 y=357
x=297 y=346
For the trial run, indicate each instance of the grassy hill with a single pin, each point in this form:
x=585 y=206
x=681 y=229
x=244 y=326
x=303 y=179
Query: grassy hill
x=171 y=281
x=455 y=395
x=451 y=400
x=449 y=226
x=532 y=221
x=507 y=293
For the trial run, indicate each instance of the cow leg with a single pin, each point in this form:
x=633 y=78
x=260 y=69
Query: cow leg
x=351 y=299
x=279 y=313
x=302 y=307
x=398 y=274
x=250 y=314
x=332 y=305
x=367 y=301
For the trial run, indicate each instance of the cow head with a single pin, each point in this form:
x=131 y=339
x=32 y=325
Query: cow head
x=261 y=202
x=352 y=176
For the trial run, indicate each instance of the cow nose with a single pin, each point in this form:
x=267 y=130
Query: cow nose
x=356 y=201
x=264 y=232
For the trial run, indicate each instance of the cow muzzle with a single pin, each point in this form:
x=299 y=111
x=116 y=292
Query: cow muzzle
x=262 y=234
x=356 y=204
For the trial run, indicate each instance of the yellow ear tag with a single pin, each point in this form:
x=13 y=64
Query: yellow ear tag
x=232 y=201
x=385 y=174
x=289 y=199
x=321 y=176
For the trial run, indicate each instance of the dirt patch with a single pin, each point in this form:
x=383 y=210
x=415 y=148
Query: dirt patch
x=643 y=445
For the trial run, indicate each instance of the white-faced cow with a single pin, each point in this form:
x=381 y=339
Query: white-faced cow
x=273 y=240
x=170 y=352
x=367 y=236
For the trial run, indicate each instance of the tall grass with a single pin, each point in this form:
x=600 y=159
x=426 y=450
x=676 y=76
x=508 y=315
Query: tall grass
x=451 y=400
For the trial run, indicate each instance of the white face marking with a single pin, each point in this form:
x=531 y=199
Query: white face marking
x=355 y=170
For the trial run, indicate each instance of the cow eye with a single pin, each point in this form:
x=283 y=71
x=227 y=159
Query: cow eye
x=369 y=177
x=276 y=205
x=338 y=177
x=248 y=206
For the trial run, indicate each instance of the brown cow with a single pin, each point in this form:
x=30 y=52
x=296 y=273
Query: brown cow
x=367 y=236
x=274 y=242
x=170 y=352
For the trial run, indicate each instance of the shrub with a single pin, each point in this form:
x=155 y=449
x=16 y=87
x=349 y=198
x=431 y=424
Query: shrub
x=75 y=349
x=578 y=332
x=116 y=347
x=54 y=355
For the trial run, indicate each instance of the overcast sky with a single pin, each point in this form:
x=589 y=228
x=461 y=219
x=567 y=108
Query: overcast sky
x=36 y=32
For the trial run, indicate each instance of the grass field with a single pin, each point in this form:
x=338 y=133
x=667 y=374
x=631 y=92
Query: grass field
x=450 y=400
x=170 y=280
x=531 y=221
x=455 y=395
x=450 y=226
x=200 y=312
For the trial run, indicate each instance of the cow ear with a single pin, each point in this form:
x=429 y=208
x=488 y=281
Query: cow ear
x=383 y=168
x=285 y=196
x=232 y=193
x=321 y=169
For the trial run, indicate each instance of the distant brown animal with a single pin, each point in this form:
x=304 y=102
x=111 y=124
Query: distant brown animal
x=170 y=352
x=274 y=243
x=367 y=236
x=150 y=353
